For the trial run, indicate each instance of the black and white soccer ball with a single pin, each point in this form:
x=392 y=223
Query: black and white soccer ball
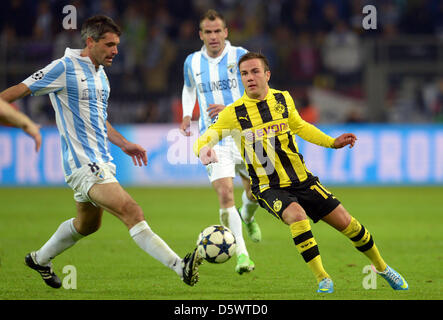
x=216 y=244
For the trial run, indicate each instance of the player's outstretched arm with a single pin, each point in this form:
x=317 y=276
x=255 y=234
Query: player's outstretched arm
x=344 y=140
x=135 y=151
x=15 y=92
x=189 y=94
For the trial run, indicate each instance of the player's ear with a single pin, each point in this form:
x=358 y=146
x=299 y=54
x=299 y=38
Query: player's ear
x=89 y=42
x=200 y=33
x=226 y=32
x=268 y=75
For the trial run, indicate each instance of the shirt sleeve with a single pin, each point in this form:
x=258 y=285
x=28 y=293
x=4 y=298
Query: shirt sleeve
x=189 y=92
x=51 y=78
x=304 y=129
x=223 y=125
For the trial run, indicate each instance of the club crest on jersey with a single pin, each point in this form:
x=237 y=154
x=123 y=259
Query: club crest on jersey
x=277 y=205
x=279 y=108
x=214 y=120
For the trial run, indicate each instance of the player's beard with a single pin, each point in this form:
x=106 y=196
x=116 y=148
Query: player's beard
x=106 y=61
x=102 y=58
x=216 y=50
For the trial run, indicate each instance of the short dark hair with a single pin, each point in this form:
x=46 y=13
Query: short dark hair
x=254 y=55
x=211 y=15
x=96 y=26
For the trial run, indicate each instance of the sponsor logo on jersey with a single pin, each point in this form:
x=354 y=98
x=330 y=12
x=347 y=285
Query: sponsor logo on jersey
x=232 y=67
x=100 y=94
x=249 y=135
x=225 y=84
x=270 y=130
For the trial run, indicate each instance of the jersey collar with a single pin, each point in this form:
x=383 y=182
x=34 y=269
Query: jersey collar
x=247 y=98
x=75 y=53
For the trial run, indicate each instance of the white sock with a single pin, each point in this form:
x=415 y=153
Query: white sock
x=155 y=246
x=230 y=218
x=248 y=208
x=65 y=237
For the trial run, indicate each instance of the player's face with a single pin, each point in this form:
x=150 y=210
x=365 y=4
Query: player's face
x=255 y=78
x=213 y=34
x=103 y=51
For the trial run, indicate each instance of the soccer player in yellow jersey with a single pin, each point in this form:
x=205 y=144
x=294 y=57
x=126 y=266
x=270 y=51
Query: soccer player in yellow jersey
x=264 y=123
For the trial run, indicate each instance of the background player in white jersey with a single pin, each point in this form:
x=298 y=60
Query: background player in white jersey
x=11 y=117
x=212 y=75
x=79 y=91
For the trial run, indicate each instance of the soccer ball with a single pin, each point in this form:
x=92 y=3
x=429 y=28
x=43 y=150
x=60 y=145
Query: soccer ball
x=216 y=244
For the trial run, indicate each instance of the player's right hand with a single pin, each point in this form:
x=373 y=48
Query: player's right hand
x=207 y=155
x=215 y=109
x=185 y=126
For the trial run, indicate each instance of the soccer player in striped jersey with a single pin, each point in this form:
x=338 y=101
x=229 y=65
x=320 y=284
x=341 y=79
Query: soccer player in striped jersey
x=79 y=90
x=211 y=75
x=264 y=123
x=11 y=117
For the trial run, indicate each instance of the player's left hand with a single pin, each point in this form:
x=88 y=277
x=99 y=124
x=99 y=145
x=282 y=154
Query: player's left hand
x=214 y=109
x=137 y=153
x=344 y=140
x=207 y=155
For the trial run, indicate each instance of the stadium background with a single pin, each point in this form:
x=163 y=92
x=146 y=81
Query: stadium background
x=386 y=84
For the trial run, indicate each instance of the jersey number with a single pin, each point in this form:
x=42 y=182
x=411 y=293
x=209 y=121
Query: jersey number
x=94 y=167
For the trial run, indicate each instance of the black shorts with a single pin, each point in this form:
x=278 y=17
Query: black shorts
x=315 y=199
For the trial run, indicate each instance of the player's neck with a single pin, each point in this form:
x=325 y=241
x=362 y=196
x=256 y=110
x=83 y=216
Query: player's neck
x=262 y=96
x=85 y=53
x=217 y=53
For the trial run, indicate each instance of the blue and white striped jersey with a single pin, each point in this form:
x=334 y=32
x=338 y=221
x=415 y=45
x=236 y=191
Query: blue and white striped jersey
x=213 y=80
x=79 y=95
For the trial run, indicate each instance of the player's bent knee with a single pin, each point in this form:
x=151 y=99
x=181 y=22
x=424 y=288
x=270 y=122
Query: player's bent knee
x=339 y=218
x=293 y=213
x=226 y=195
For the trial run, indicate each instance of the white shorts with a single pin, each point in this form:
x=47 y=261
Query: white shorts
x=230 y=163
x=82 y=179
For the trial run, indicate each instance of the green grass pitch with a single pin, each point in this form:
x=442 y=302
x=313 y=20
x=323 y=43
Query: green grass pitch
x=406 y=222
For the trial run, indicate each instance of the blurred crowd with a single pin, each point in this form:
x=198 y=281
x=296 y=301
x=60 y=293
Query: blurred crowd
x=310 y=43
